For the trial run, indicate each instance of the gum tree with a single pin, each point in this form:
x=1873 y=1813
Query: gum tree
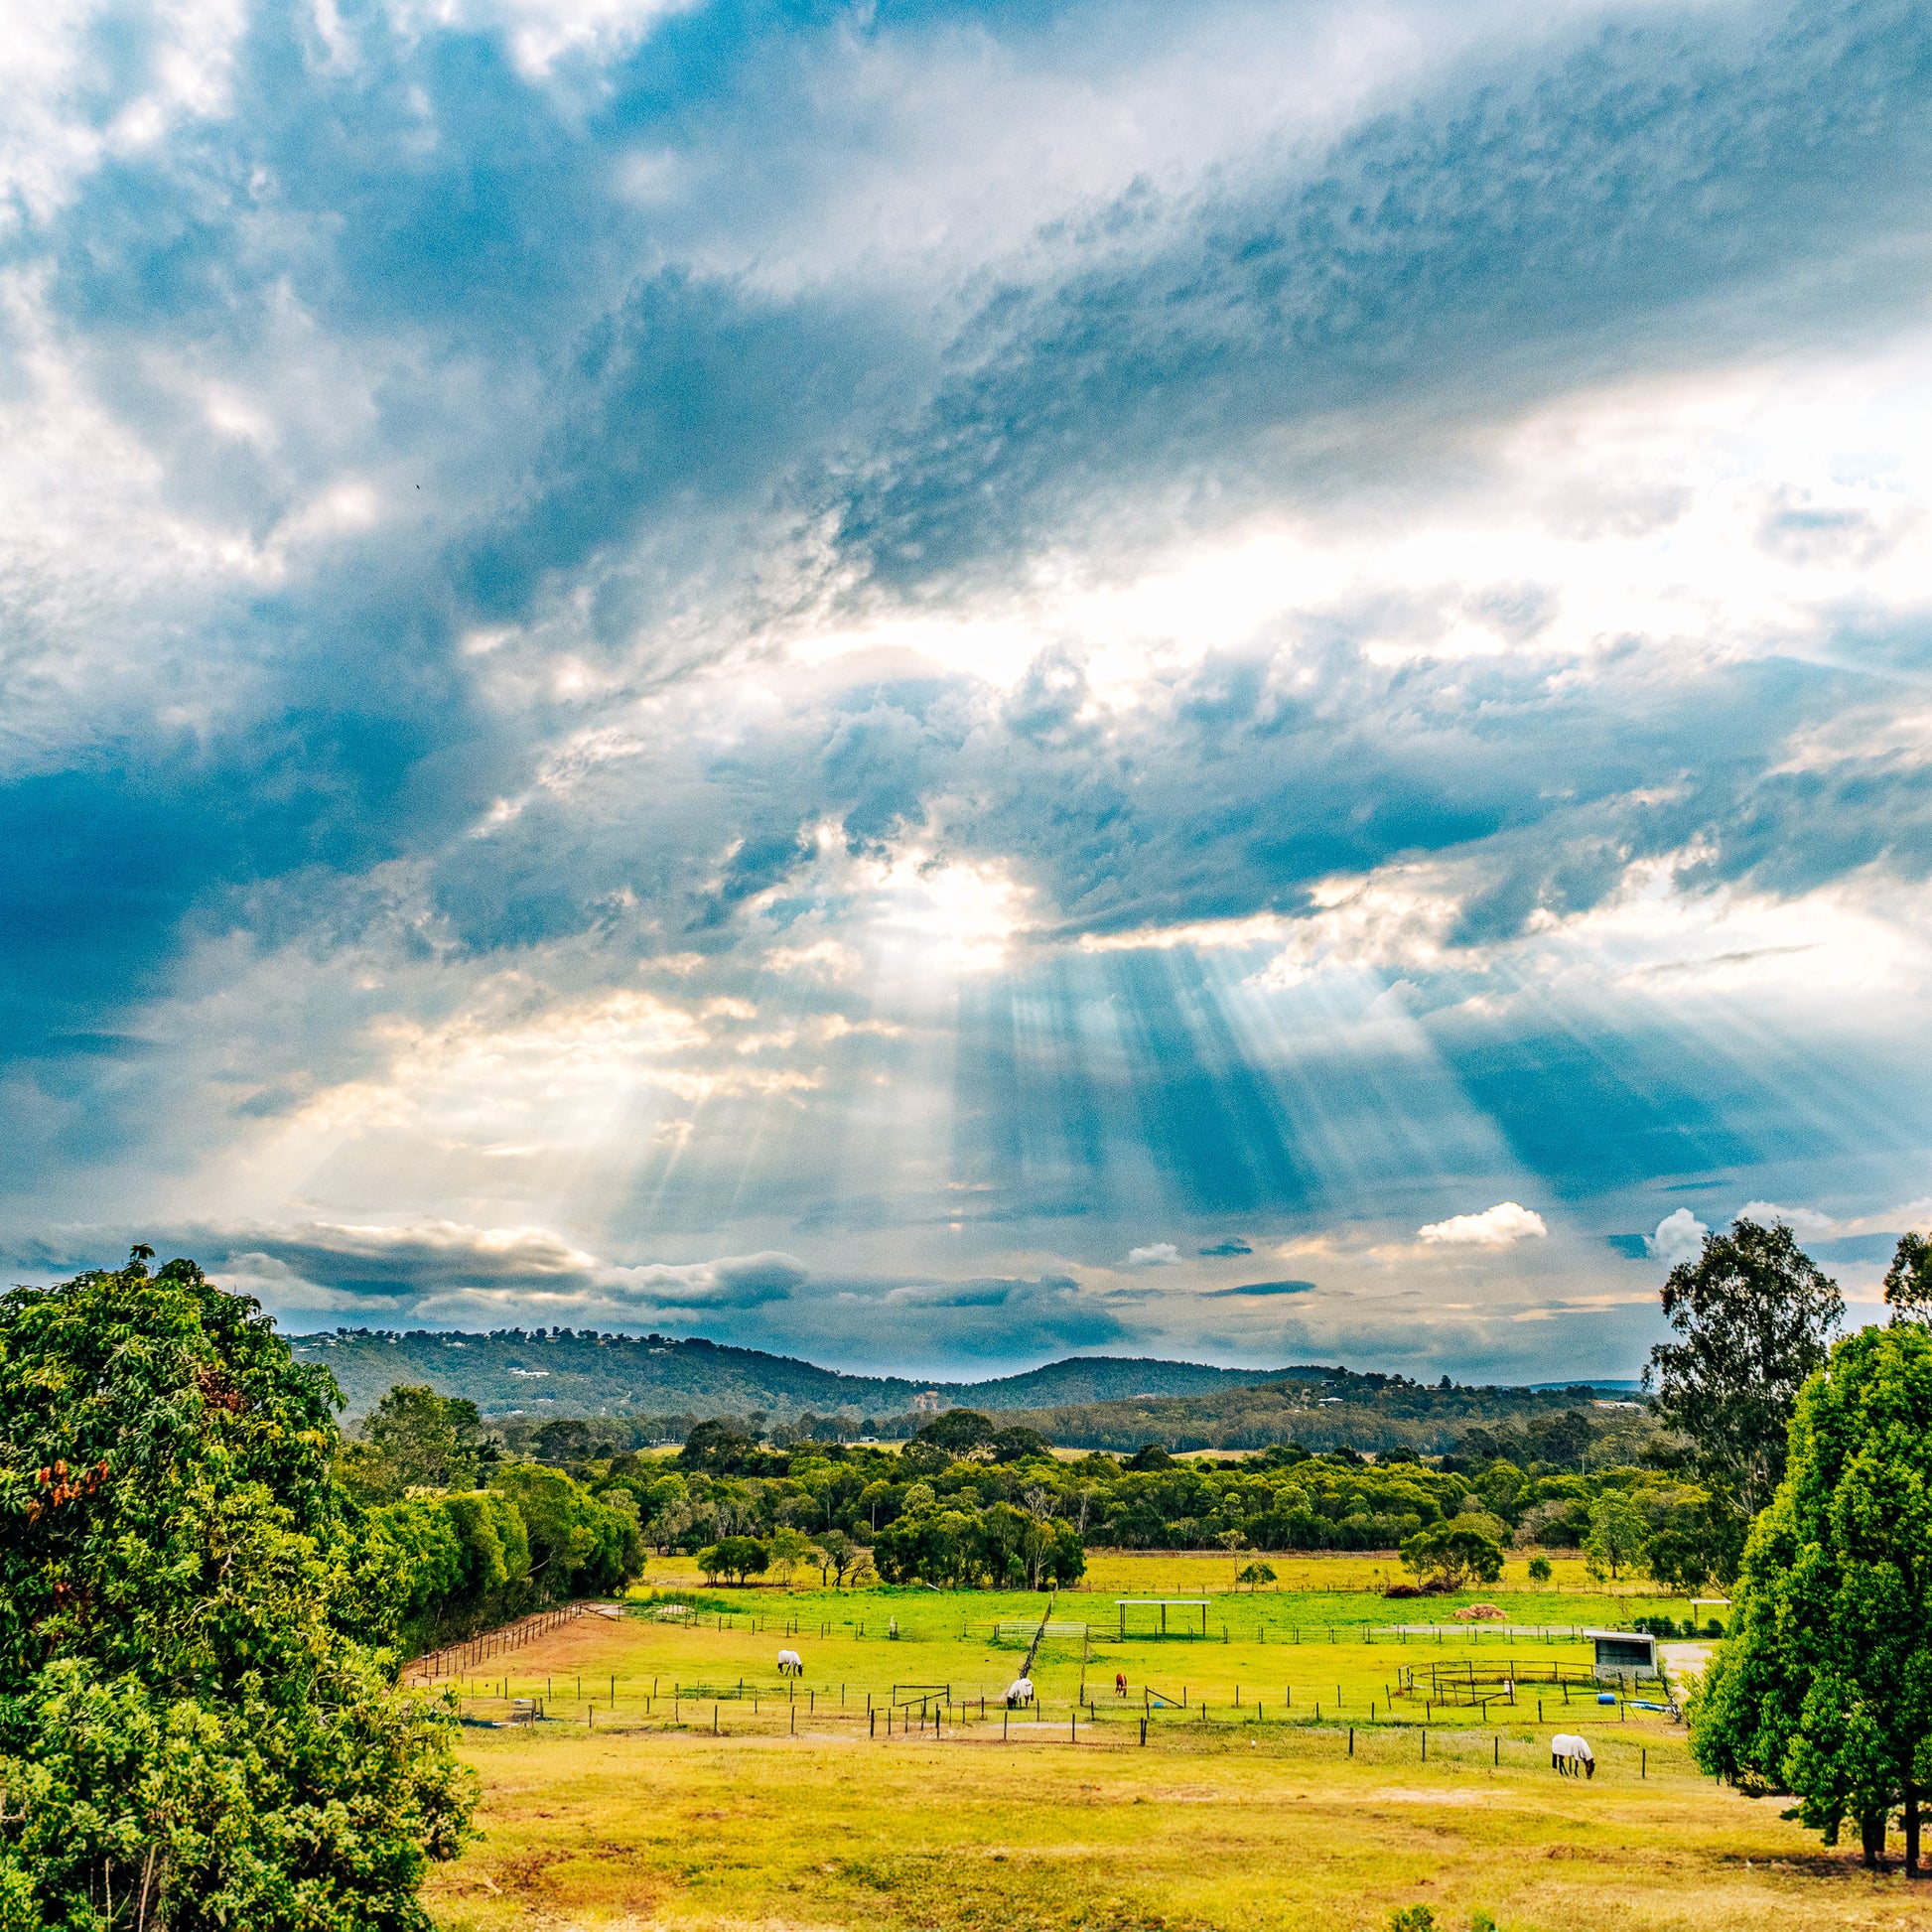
x=1754 y=1314
x=1823 y=1687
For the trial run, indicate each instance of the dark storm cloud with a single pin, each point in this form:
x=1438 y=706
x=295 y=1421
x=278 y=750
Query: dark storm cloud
x=1259 y=1287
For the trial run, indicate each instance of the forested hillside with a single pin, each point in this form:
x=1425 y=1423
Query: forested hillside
x=564 y=1372
x=1321 y=1409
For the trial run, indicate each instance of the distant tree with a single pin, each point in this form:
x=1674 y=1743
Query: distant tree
x=196 y=1721
x=1756 y=1315
x=1150 y=1455
x=961 y=1433
x=717 y=1447
x=419 y=1439
x=578 y=1545
x=788 y=1550
x=1016 y=1444
x=1451 y=1553
x=1617 y=1534
x=1254 y=1574
x=566 y=1440
x=1540 y=1572
x=1908 y=1281
x=1694 y=1538
x=1823 y=1683
x=836 y=1555
x=734 y=1558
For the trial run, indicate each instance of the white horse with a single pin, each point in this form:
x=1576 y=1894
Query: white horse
x=1569 y=1754
x=790 y=1664
x=1018 y=1692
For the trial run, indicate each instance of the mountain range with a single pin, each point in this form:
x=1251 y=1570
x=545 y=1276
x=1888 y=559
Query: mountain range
x=564 y=1372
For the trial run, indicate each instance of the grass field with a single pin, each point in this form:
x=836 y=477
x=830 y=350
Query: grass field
x=655 y=1794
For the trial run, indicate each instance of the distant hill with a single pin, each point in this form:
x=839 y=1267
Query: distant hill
x=581 y=1373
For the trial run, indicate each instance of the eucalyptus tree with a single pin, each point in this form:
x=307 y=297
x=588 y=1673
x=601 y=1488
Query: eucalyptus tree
x=1823 y=1685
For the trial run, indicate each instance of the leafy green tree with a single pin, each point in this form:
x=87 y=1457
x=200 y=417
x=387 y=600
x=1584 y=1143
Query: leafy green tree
x=788 y=1550
x=1694 y=1537
x=1540 y=1572
x=1616 y=1537
x=578 y=1545
x=1756 y=1316
x=1824 y=1684
x=736 y=1557
x=718 y=1449
x=1017 y=1444
x=1908 y=1281
x=961 y=1433
x=1453 y=1553
x=1254 y=1574
x=836 y=1555
x=415 y=1439
x=197 y=1728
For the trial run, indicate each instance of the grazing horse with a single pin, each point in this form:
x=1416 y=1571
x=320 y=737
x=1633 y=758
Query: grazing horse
x=1570 y=1754
x=790 y=1664
x=1018 y=1692
x=1120 y=1683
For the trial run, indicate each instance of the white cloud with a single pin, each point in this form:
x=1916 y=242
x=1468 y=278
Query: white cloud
x=1157 y=1254
x=1800 y=1220
x=1501 y=1226
x=1679 y=1237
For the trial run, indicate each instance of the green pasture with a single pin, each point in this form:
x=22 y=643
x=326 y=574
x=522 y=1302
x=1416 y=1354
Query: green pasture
x=672 y=1780
x=709 y=1658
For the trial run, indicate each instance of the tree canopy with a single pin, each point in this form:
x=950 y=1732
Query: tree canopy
x=1755 y=1316
x=1451 y=1553
x=198 y=1725
x=1908 y=1281
x=1823 y=1685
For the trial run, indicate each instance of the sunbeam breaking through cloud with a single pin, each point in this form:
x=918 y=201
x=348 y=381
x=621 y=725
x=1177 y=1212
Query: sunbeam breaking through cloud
x=933 y=685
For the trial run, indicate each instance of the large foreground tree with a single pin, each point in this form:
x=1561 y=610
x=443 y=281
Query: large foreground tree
x=1823 y=1687
x=198 y=1726
x=1755 y=1315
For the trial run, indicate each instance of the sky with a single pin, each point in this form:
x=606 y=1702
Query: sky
x=933 y=685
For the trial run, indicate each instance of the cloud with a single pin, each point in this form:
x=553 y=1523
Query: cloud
x=447 y=1273
x=1501 y=1226
x=1679 y=1238
x=1259 y=1287
x=1288 y=650
x=1801 y=1220
x=1159 y=1254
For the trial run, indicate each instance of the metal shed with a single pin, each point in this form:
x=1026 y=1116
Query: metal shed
x=1623 y=1655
